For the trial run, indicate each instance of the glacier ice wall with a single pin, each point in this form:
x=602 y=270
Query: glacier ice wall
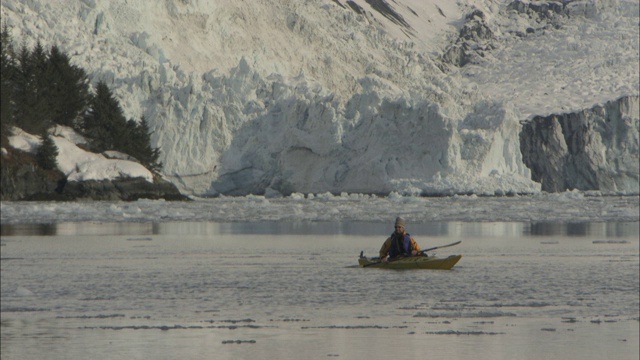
x=277 y=97
x=307 y=141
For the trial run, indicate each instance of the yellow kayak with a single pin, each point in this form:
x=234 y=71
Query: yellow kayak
x=412 y=262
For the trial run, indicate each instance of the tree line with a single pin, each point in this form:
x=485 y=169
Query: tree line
x=41 y=88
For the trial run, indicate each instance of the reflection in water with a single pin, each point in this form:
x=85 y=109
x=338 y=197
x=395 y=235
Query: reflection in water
x=79 y=229
x=432 y=229
x=549 y=229
x=29 y=229
x=615 y=229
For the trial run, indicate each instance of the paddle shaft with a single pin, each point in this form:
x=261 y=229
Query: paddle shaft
x=439 y=247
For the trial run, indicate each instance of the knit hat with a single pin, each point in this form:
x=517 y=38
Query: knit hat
x=399 y=221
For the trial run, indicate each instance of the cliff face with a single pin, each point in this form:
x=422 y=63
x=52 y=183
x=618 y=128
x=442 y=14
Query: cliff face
x=593 y=149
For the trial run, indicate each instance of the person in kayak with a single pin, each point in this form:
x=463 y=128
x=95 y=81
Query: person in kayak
x=400 y=243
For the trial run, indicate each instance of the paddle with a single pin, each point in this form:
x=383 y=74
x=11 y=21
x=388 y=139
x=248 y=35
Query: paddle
x=439 y=247
x=419 y=252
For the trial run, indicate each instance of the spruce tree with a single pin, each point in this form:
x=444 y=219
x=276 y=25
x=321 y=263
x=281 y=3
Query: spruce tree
x=22 y=85
x=137 y=143
x=147 y=155
x=104 y=123
x=7 y=75
x=6 y=110
x=68 y=89
x=40 y=89
x=31 y=111
x=47 y=153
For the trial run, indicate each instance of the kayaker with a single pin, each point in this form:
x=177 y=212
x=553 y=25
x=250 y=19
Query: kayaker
x=400 y=243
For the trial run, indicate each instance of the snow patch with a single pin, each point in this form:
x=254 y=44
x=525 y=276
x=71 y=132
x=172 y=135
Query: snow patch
x=76 y=163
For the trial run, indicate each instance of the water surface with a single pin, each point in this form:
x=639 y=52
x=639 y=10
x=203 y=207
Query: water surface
x=289 y=290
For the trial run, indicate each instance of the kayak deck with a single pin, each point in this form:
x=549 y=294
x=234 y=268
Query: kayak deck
x=412 y=262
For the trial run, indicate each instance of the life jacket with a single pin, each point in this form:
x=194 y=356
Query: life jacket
x=400 y=245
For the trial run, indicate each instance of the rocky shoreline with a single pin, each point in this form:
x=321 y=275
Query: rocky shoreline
x=23 y=180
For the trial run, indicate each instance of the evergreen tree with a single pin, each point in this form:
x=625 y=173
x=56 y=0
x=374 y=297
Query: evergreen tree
x=141 y=145
x=68 y=89
x=129 y=144
x=104 y=123
x=31 y=112
x=40 y=89
x=6 y=110
x=47 y=153
x=22 y=85
x=7 y=74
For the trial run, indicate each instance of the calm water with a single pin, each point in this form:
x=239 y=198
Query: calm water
x=289 y=291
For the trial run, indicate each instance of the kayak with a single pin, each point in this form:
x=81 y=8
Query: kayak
x=412 y=262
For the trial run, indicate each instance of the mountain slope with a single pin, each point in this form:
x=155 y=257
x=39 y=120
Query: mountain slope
x=415 y=96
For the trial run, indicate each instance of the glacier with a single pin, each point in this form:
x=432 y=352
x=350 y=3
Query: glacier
x=417 y=97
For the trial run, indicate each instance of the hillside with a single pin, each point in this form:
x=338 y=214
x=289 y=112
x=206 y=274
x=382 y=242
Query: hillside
x=413 y=96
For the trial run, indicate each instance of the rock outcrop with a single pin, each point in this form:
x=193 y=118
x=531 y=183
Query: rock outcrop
x=22 y=179
x=129 y=189
x=473 y=39
x=593 y=149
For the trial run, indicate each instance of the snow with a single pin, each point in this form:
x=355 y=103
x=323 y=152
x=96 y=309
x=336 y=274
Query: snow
x=278 y=97
x=24 y=141
x=76 y=163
